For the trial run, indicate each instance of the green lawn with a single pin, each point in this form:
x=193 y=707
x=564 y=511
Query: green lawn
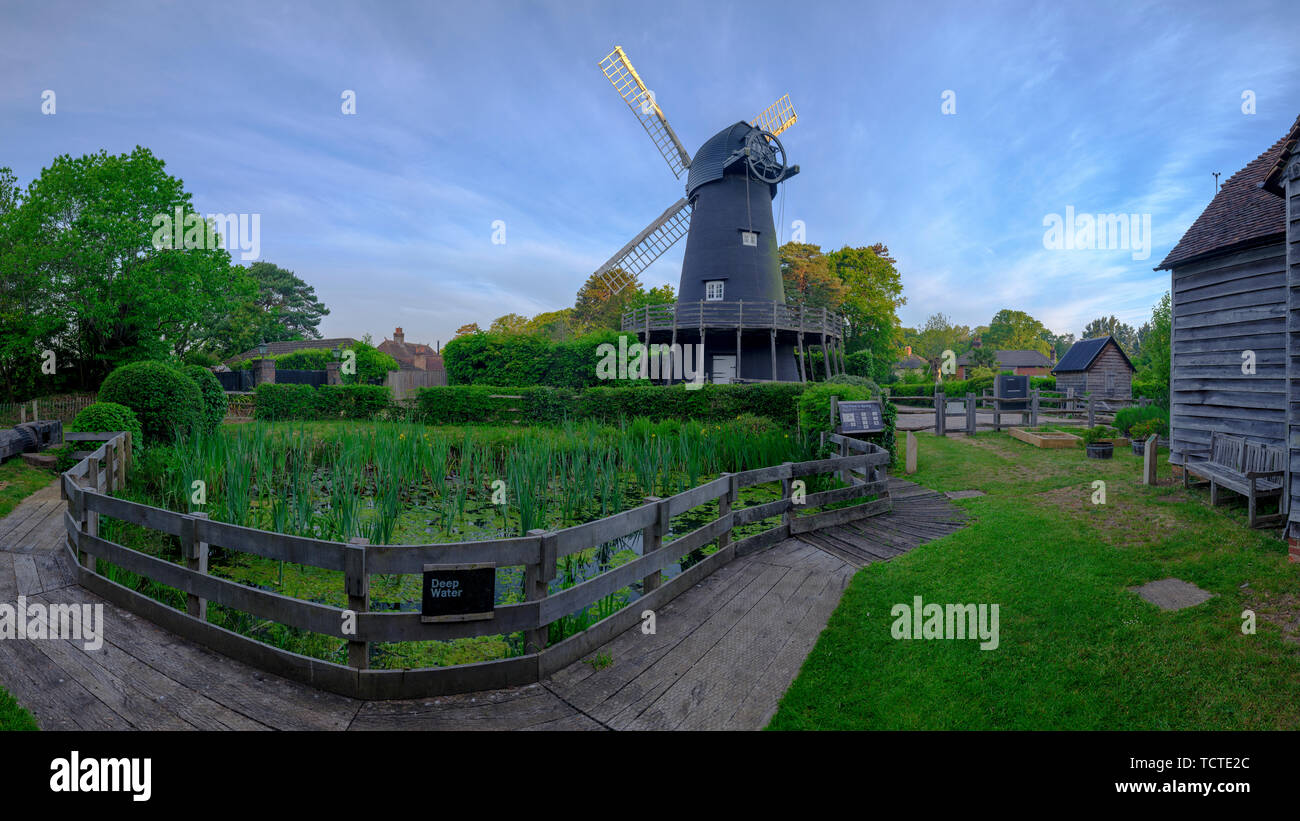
x=1077 y=649
x=18 y=480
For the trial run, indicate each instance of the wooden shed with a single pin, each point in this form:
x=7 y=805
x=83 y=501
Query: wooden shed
x=1235 y=280
x=1097 y=366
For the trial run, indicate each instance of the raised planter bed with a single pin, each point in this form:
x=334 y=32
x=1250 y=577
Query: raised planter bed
x=1046 y=439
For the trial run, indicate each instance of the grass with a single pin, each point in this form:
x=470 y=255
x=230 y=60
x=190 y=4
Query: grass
x=18 y=480
x=1077 y=649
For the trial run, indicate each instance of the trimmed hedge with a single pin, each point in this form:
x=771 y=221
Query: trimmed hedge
x=214 y=396
x=105 y=417
x=279 y=402
x=164 y=399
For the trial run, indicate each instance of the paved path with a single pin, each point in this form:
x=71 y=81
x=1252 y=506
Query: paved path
x=723 y=654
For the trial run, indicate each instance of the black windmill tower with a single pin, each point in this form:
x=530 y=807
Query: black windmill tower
x=731 y=295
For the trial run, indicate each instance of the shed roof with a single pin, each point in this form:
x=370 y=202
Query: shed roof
x=1082 y=354
x=1242 y=213
x=1014 y=359
x=1273 y=182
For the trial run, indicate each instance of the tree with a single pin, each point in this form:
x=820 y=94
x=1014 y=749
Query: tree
x=937 y=337
x=598 y=307
x=509 y=324
x=809 y=281
x=283 y=308
x=1111 y=326
x=87 y=234
x=556 y=326
x=982 y=357
x=1153 y=365
x=1016 y=331
x=30 y=308
x=471 y=328
x=873 y=294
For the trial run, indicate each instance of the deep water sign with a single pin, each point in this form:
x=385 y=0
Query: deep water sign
x=458 y=592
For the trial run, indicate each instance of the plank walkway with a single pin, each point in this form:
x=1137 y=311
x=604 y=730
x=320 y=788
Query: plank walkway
x=722 y=655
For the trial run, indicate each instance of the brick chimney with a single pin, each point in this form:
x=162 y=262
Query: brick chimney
x=398 y=336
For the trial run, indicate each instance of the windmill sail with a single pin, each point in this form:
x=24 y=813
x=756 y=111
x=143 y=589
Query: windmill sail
x=626 y=266
x=618 y=69
x=777 y=117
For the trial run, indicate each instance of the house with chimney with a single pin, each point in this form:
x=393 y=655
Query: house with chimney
x=411 y=356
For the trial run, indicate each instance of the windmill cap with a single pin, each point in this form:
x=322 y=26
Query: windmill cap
x=716 y=155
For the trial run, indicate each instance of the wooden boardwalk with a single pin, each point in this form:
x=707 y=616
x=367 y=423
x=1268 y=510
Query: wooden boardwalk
x=722 y=655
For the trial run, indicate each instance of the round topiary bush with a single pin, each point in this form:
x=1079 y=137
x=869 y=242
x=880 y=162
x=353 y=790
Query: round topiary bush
x=214 y=397
x=165 y=400
x=103 y=417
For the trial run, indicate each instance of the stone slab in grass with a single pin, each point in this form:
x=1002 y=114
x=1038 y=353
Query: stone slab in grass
x=1172 y=594
x=963 y=494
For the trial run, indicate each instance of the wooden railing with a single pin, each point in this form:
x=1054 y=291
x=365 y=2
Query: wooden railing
x=1090 y=409
x=63 y=407
x=88 y=487
x=756 y=315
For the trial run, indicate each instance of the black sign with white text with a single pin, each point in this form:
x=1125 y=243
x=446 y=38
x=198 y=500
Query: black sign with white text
x=861 y=417
x=458 y=592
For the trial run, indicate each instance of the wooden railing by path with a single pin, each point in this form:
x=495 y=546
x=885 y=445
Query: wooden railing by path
x=1088 y=410
x=88 y=487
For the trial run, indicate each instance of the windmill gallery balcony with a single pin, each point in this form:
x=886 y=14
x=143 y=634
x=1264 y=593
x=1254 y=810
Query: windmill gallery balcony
x=729 y=330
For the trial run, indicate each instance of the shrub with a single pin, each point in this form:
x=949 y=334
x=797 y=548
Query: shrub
x=815 y=412
x=103 y=417
x=274 y=402
x=351 y=401
x=165 y=400
x=214 y=398
x=459 y=404
x=1144 y=429
x=1126 y=418
x=1095 y=435
x=496 y=359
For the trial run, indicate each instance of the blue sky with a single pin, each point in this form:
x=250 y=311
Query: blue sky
x=469 y=113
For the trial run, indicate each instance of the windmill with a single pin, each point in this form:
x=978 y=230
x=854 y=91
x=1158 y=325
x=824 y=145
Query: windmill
x=731 y=275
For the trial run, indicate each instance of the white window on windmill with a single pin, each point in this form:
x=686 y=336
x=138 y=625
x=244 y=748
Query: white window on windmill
x=713 y=290
x=749 y=238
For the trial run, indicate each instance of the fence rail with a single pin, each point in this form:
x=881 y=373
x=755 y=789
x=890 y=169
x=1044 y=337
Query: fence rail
x=757 y=315
x=88 y=487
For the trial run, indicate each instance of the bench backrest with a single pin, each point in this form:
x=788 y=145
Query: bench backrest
x=1263 y=457
x=1228 y=451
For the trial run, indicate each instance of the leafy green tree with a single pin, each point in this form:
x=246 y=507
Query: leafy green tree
x=87 y=232
x=598 y=307
x=938 y=336
x=809 y=280
x=509 y=324
x=1153 y=365
x=556 y=326
x=873 y=293
x=276 y=305
x=982 y=357
x=1016 y=331
x=1111 y=326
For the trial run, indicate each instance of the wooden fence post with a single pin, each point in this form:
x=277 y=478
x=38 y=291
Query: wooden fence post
x=110 y=471
x=835 y=409
x=357 y=582
x=83 y=522
x=970 y=414
x=196 y=559
x=940 y=413
x=1149 y=459
x=1033 y=408
x=537 y=586
x=652 y=538
x=788 y=515
x=1092 y=412
x=725 y=501
x=910 y=464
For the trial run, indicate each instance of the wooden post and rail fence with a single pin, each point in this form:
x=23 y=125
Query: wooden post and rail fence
x=89 y=485
x=1089 y=410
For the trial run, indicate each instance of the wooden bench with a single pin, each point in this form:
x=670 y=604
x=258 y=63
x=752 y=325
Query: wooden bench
x=1253 y=469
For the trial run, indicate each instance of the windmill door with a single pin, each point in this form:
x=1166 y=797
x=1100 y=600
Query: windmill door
x=724 y=369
